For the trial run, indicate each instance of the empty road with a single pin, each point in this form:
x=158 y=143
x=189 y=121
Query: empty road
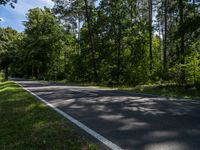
x=131 y=121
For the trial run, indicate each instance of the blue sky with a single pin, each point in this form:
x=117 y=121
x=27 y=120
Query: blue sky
x=14 y=17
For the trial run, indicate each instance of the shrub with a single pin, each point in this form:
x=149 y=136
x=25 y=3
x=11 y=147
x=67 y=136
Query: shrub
x=2 y=77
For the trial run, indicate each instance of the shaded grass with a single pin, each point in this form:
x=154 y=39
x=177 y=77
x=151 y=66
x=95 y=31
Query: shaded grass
x=172 y=91
x=166 y=90
x=26 y=123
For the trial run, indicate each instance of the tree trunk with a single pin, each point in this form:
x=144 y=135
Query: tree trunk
x=182 y=41
x=194 y=5
x=91 y=39
x=165 y=40
x=119 y=53
x=79 y=36
x=6 y=73
x=150 y=33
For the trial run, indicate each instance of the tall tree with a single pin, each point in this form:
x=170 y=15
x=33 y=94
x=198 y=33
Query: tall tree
x=10 y=2
x=150 y=32
x=165 y=37
x=88 y=13
x=7 y=48
x=116 y=42
x=182 y=41
x=43 y=41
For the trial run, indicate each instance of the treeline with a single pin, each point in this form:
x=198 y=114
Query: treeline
x=123 y=42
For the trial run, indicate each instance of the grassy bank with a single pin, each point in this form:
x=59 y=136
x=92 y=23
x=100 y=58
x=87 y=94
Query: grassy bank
x=172 y=91
x=28 y=124
x=166 y=90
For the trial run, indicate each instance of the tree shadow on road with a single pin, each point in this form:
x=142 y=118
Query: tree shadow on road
x=132 y=121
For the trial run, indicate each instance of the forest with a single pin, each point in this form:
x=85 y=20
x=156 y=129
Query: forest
x=106 y=42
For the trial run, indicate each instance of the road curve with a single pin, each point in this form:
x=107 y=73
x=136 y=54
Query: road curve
x=131 y=121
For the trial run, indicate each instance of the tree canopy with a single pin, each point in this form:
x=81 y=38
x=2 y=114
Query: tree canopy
x=10 y=2
x=121 y=42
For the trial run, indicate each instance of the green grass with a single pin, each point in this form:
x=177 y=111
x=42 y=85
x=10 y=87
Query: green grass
x=26 y=123
x=172 y=91
x=167 y=90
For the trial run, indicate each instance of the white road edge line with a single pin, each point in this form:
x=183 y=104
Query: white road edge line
x=96 y=135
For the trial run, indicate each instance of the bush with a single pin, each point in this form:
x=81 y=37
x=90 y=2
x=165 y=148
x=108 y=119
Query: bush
x=197 y=85
x=175 y=73
x=2 y=77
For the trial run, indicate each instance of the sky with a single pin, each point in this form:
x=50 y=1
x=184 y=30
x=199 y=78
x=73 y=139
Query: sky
x=14 y=17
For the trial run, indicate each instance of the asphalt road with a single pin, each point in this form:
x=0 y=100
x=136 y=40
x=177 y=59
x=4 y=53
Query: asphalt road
x=131 y=121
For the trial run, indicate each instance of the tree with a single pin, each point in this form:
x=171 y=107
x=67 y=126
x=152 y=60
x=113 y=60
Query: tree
x=165 y=37
x=10 y=2
x=71 y=11
x=88 y=12
x=182 y=41
x=119 y=42
x=150 y=32
x=43 y=41
x=7 y=48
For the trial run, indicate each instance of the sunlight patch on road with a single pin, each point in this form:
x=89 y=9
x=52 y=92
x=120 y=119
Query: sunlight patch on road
x=63 y=102
x=171 y=145
x=161 y=135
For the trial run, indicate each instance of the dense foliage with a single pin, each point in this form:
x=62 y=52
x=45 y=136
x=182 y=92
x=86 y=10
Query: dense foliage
x=10 y=2
x=115 y=42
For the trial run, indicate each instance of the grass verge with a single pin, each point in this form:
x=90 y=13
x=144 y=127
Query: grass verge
x=172 y=91
x=167 y=90
x=26 y=123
